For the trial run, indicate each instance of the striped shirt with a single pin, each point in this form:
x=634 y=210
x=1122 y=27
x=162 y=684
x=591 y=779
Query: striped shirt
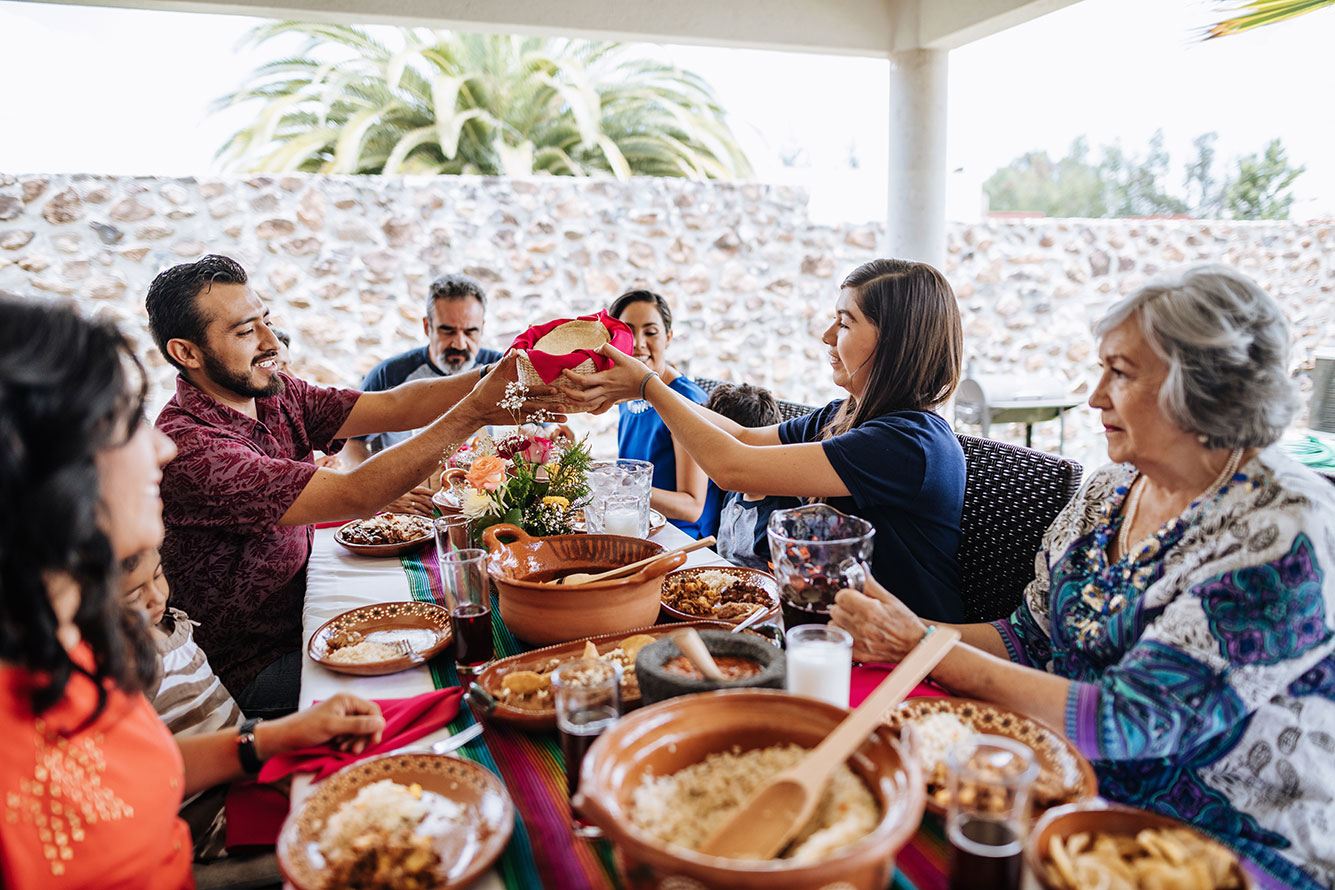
x=191 y=700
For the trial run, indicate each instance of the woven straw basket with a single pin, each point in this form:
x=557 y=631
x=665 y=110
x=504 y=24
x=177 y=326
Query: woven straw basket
x=562 y=340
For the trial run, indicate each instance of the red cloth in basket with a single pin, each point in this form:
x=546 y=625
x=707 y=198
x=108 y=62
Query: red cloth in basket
x=549 y=366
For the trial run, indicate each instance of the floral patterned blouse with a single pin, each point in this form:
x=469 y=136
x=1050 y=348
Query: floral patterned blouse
x=1204 y=665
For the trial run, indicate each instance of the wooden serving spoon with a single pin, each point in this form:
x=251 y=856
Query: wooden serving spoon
x=778 y=809
x=692 y=645
x=586 y=578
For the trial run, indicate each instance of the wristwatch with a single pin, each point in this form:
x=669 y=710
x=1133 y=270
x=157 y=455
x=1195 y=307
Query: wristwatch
x=245 y=746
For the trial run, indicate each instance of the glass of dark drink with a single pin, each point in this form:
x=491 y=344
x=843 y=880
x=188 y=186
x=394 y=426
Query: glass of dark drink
x=988 y=815
x=588 y=700
x=464 y=579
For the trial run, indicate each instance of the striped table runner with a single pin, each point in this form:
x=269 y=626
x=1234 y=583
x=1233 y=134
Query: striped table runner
x=543 y=852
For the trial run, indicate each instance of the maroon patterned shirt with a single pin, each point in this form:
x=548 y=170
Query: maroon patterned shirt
x=228 y=561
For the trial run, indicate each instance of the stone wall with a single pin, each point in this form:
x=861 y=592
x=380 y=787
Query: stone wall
x=344 y=263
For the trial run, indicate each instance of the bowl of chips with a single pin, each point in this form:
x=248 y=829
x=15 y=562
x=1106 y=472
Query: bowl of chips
x=1104 y=846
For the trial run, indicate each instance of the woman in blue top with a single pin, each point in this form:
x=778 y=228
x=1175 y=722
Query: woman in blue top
x=682 y=492
x=882 y=453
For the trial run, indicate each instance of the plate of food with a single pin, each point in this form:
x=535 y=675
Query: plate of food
x=1102 y=846
x=723 y=593
x=398 y=821
x=518 y=689
x=1065 y=775
x=387 y=534
x=656 y=521
x=381 y=639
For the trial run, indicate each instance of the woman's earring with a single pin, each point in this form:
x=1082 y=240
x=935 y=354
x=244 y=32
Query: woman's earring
x=1202 y=438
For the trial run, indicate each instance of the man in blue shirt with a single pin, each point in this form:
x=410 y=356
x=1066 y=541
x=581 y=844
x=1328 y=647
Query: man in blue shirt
x=455 y=316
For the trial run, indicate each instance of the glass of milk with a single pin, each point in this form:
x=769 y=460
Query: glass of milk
x=820 y=661
x=619 y=497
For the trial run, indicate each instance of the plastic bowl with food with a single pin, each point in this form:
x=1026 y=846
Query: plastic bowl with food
x=1088 y=845
x=658 y=742
x=539 y=610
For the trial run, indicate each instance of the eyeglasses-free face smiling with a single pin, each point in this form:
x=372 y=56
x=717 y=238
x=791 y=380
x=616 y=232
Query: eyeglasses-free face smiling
x=852 y=342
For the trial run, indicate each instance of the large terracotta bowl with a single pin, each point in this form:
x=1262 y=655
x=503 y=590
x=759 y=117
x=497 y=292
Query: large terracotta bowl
x=664 y=738
x=1097 y=817
x=538 y=611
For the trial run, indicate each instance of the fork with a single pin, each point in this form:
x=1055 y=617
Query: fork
x=445 y=745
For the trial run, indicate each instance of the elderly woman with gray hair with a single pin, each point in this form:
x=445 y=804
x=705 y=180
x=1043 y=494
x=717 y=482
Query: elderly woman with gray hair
x=1181 y=624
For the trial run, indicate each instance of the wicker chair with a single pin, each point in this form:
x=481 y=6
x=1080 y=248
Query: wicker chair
x=1011 y=496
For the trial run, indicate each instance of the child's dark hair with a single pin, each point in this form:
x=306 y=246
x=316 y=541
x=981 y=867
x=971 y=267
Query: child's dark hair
x=745 y=404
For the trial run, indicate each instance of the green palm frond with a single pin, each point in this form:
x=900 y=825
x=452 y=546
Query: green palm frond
x=1257 y=13
x=443 y=102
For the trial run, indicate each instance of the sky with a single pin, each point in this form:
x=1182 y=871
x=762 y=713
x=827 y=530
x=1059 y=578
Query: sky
x=116 y=91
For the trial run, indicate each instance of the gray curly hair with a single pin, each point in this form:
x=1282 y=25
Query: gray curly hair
x=1226 y=343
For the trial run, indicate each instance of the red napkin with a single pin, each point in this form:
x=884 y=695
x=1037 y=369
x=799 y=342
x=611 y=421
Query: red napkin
x=866 y=677
x=255 y=815
x=406 y=721
x=549 y=366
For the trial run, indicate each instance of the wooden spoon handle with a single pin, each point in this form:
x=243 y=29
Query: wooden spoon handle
x=838 y=745
x=692 y=645
x=627 y=569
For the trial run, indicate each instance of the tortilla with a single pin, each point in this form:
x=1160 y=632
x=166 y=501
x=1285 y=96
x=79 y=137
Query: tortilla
x=571 y=336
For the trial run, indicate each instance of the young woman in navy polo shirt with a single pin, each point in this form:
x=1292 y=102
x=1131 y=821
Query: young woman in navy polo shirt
x=882 y=453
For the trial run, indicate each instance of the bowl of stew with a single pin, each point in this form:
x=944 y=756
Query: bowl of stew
x=746 y=660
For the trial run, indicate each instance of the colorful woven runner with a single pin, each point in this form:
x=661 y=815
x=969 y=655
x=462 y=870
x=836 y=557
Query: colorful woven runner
x=543 y=852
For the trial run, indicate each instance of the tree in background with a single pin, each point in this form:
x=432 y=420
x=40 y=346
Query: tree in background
x=1124 y=184
x=446 y=102
x=1256 y=13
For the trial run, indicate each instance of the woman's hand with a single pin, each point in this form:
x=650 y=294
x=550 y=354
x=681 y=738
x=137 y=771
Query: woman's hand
x=602 y=389
x=351 y=723
x=883 y=628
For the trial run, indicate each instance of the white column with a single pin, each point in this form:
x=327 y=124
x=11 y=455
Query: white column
x=916 y=218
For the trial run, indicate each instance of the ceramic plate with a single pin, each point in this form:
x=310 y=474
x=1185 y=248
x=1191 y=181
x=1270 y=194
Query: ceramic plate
x=755 y=576
x=467 y=847
x=656 y=521
x=425 y=627
x=386 y=549
x=492 y=679
x=1065 y=776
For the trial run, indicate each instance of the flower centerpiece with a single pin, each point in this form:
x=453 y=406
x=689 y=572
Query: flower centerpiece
x=525 y=479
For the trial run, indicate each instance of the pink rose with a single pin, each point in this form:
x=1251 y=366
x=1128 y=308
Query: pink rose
x=538 y=450
x=487 y=472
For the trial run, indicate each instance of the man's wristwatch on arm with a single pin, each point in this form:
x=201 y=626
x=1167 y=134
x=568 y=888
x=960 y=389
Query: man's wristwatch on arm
x=245 y=746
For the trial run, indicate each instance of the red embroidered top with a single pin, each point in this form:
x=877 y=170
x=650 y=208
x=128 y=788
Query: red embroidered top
x=230 y=564
x=95 y=809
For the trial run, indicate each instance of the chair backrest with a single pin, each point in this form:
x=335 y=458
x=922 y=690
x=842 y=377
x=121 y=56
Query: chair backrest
x=1011 y=496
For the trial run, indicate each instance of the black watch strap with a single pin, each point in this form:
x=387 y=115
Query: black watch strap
x=245 y=746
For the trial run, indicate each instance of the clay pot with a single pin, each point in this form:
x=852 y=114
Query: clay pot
x=1097 y=816
x=541 y=612
x=661 y=739
x=657 y=684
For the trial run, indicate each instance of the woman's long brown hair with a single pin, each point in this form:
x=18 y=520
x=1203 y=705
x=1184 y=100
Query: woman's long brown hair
x=919 y=341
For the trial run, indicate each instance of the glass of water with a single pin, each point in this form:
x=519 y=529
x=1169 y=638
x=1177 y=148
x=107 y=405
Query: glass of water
x=619 y=497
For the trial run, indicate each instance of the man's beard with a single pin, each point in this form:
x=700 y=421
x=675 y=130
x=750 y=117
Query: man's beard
x=240 y=384
x=455 y=361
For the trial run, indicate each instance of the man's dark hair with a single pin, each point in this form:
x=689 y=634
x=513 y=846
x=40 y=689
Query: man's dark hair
x=173 y=311
x=454 y=286
x=281 y=336
x=745 y=404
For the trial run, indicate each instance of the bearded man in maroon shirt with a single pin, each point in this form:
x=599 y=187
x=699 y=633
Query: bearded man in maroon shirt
x=241 y=497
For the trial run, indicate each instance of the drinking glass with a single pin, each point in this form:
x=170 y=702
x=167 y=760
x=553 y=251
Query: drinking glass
x=464 y=578
x=820 y=662
x=988 y=814
x=451 y=534
x=816 y=551
x=588 y=701
x=619 y=497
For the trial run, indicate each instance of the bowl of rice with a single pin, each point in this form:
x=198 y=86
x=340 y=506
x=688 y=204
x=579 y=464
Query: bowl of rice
x=660 y=780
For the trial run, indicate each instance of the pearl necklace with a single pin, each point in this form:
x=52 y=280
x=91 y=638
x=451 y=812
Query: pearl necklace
x=1133 y=499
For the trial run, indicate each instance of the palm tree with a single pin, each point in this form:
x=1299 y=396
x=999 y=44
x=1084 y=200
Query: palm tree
x=1256 y=13
x=446 y=102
